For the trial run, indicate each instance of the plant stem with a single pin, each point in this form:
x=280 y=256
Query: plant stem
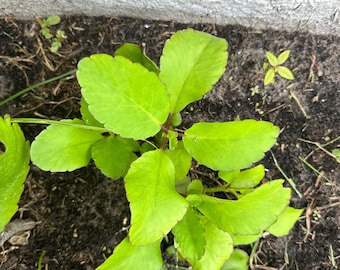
x=55 y=122
x=37 y=85
x=217 y=189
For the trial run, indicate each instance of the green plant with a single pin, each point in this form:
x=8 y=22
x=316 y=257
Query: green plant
x=276 y=67
x=131 y=114
x=14 y=160
x=58 y=36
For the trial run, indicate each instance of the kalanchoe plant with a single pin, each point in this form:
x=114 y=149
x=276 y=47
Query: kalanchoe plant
x=131 y=111
x=276 y=64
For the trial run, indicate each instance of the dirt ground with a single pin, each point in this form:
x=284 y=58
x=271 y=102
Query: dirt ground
x=81 y=216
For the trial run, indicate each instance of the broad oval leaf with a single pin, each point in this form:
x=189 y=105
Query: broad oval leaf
x=112 y=156
x=285 y=72
x=285 y=222
x=182 y=162
x=283 y=57
x=269 y=77
x=14 y=160
x=189 y=235
x=155 y=205
x=135 y=54
x=230 y=146
x=273 y=61
x=251 y=214
x=237 y=261
x=61 y=148
x=191 y=63
x=219 y=247
x=86 y=116
x=127 y=98
x=127 y=256
x=245 y=179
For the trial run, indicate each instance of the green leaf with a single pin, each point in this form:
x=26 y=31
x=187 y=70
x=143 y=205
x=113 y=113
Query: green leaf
x=182 y=162
x=237 y=261
x=270 y=75
x=176 y=119
x=112 y=156
x=135 y=54
x=285 y=72
x=127 y=256
x=273 y=61
x=191 y=63
x=52 y=20
x=155 y=205
x=189 y=235
x=46 y=33
x=230 y=146
x=14 y=160
x=245 y=179
x=87 y=117
x=63 y=148
x=245 y=239
x=173 y=141
x=283 y=57
x=195 y=187
x=219 y=246
x=126 y=97
x=285 y=222
x=251 y=214
x=336 y=153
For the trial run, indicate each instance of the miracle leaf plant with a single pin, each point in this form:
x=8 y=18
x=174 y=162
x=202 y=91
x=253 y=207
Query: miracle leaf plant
x=130 y=128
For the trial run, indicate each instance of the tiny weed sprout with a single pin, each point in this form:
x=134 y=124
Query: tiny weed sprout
x=57 y=36
x=131 y=128
x=276 y=67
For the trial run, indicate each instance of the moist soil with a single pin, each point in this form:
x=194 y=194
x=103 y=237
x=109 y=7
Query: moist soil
x=81 y=216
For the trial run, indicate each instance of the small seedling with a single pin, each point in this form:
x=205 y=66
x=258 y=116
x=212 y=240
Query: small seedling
x=254 y=90
x=58 y=40
x=336 y=153
x=276 y=67
x=58 y=36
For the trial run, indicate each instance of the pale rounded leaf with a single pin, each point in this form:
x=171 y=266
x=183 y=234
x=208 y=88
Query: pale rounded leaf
x=61 y=148
x=191 y=63
x=135 y=54
x=155 y=205
x=127 y=256
x=245 y=179
x=182 y=162
x=285 y=72
x=112 y=157
x=285 y=222
x=250 y=215
x=230 y=146
x=127 y=98
x=219 y=247
x=237 y=261
x=87 y=117
x=14 y=160
x=189 y=235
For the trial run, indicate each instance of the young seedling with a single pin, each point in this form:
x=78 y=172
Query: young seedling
x=58 y=40
x=276 y=67
x=58 y=36
x=130 y=128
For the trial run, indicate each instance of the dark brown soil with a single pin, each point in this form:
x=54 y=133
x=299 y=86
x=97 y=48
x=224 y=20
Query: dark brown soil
x=82 y=215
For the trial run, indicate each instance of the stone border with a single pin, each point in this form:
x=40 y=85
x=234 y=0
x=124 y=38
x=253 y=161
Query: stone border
x=316 y=16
